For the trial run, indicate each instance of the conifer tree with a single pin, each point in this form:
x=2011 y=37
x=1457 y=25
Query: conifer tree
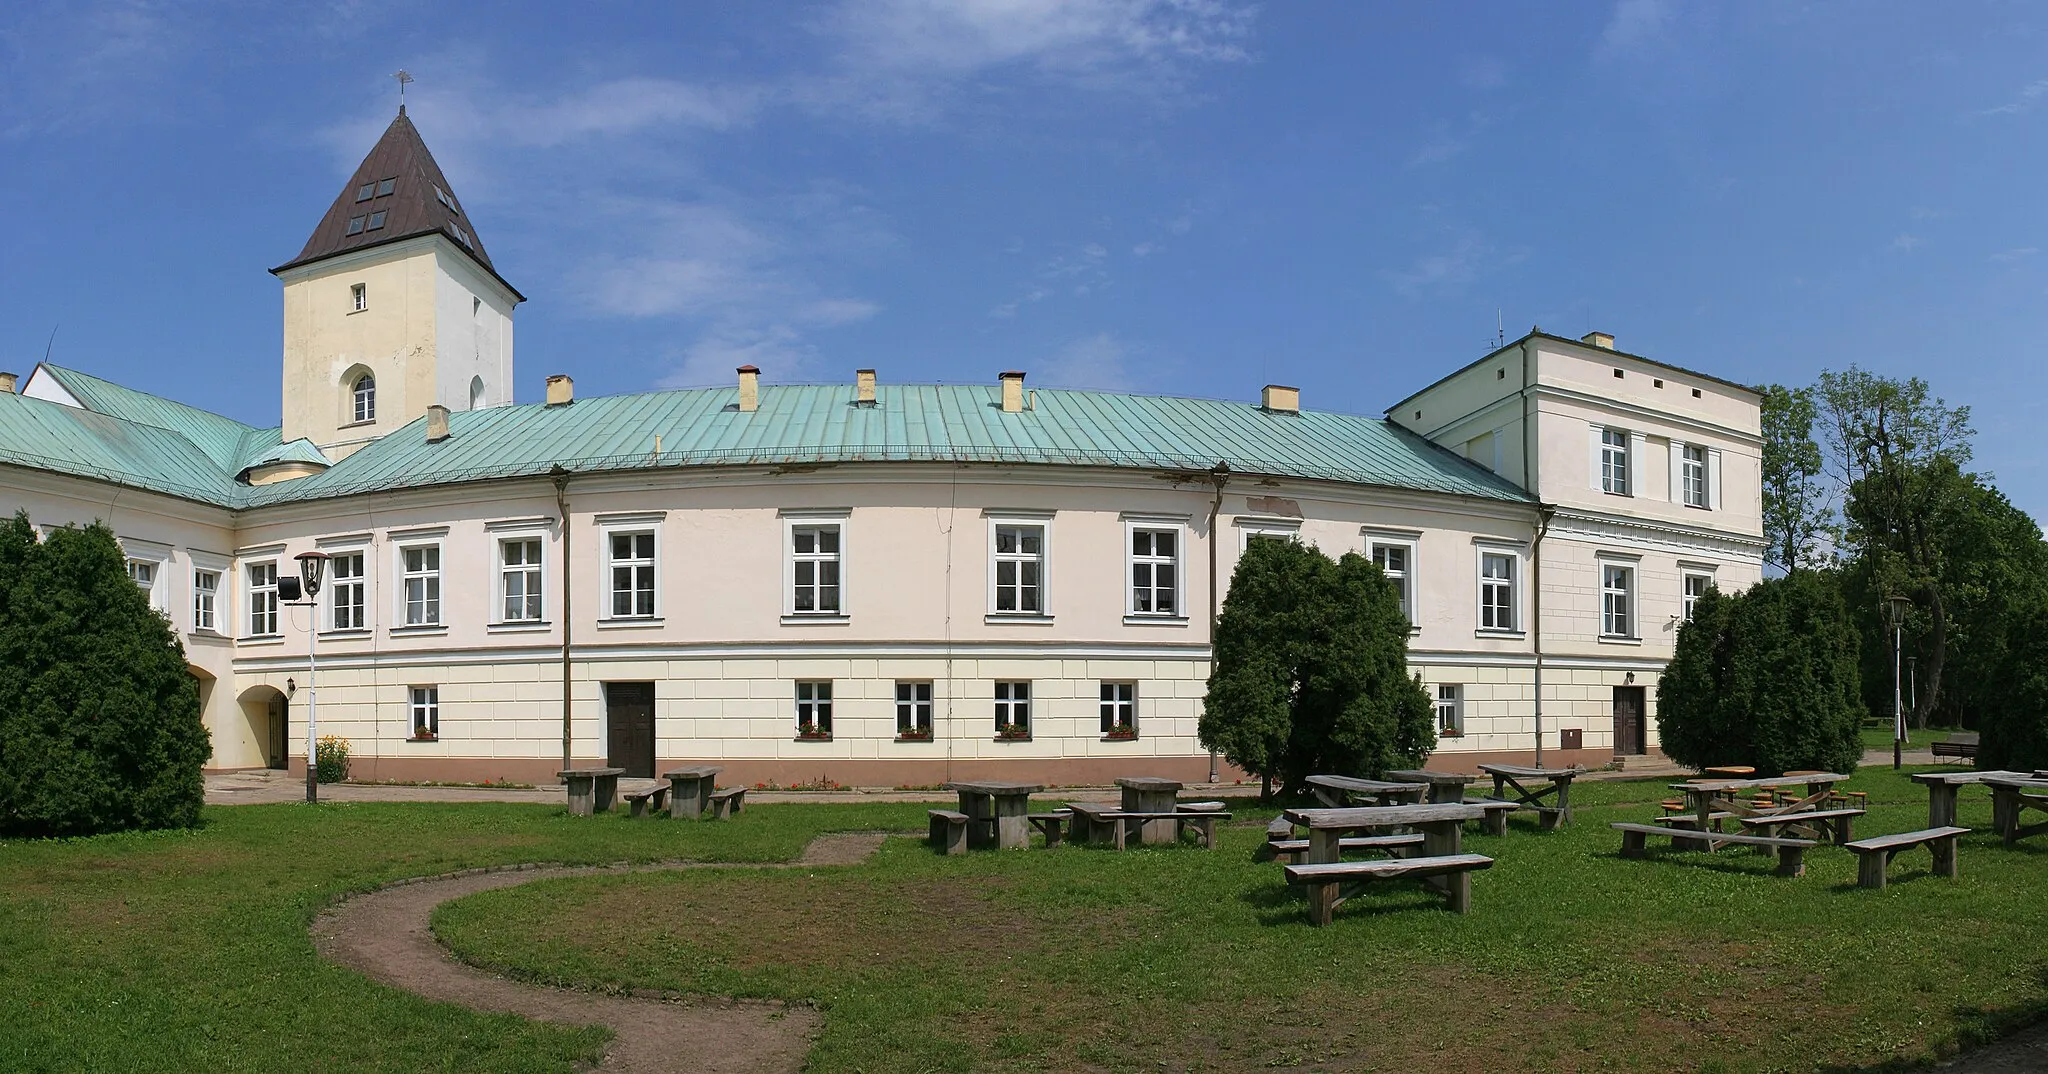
x=99 y=720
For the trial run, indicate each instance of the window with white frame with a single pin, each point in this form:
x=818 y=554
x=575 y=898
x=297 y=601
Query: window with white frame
x=143 y=573
x=1617 y=600
x=346 y=590
x=632 y=573
x=913 y=709
x=1395 y=557
x=364 y=395
x=262 y=599
x=1155 y=571
x=205 y=599
x=1692 y=475
x=148 y=575
x=814 y=707
x=1013 y=709
x=1120 y=708
x=1614 y=475
x=1497 y=591
x=814 y=568
x=359 y=297
x=1019 y=553
x=1450 y=710
x=426 y=712
x=519 y=582
x=1696 y=584
x=1261 y=529
x=420 y=584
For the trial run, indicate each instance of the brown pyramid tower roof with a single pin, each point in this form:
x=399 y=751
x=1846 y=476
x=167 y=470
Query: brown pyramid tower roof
x=396 y=193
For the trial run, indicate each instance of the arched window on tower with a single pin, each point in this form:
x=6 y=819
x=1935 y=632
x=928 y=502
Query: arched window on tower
x=476 y=393
x=366 y=398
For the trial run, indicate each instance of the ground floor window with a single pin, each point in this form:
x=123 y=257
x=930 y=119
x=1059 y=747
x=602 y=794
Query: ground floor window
x=1450 y=710
x=426 y=712
x=814 y=709
x=1120 y=709
x=913 y=710
x=1013 y=709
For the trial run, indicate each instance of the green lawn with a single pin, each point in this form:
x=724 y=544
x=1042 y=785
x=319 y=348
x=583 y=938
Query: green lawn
x=190 y=951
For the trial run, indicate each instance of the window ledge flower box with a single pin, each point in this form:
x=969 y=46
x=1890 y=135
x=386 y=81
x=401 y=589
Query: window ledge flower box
x=812 y=733
x=914 y=736
x=1010 y=732
x=1120 y=733
x=424 y=736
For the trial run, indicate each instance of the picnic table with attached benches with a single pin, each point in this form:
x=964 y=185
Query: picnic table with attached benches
x=1944 y=787
x=1705 y=798
x=591 y=790
x=1443 y=786
x=1336 y=791
x=1151 y=794
x=2011 y=797
x=690 y=788
x=1508 y=777
x=1442 y=861
x=996 y=811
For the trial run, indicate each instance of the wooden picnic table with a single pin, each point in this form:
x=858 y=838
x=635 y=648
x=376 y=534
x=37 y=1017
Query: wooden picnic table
x=690 y=787
x=1510 y=776
x=1443 y=833
x=1443 y=786
x=1335 y=791
x=1729 y=771
x=591 y=790
x=2010 y=799
x=1152 y=794
x=996 y=812
x=1706 y=797
x=1943 y=787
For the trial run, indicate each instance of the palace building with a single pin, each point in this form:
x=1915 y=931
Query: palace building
x=865 y=583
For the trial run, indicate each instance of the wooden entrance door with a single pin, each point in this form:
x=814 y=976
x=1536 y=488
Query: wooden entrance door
x=629 y=719
x=1630 y=731
x=275 y=754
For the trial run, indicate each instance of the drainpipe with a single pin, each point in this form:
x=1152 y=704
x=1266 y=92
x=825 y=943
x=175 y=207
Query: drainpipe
x=1220 y=475
x=561 y=477
x=1530 y=473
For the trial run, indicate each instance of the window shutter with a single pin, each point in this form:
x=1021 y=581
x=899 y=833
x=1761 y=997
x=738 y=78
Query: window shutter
x=1638 y=455
x=1677 y=472
x=1596 y=431
x=1713 y=479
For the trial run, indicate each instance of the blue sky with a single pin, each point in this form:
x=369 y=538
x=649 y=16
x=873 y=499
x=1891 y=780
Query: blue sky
x=1189 y=197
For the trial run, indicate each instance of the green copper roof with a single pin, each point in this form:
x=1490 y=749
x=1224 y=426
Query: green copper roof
x=796 y=425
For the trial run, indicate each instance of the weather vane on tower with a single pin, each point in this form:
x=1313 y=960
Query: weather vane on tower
x=403 y=77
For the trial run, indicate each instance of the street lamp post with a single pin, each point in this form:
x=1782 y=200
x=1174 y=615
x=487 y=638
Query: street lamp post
x=1895 y=609
x=311 y=566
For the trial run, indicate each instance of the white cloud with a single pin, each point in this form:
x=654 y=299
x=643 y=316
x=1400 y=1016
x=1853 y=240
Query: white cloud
x=778 y=350
x=2015 y=254
x=1465 y=259
x=1636 y=27
x=2029 y=96
x=1099 y=361
x=1905 y=242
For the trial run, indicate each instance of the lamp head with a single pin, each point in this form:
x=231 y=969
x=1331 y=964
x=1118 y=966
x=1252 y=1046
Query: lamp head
x=1896 y=608
x=311 y=566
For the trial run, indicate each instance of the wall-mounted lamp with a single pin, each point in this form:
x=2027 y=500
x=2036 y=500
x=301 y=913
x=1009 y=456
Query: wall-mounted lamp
x=290 y=687
x=1629 y=679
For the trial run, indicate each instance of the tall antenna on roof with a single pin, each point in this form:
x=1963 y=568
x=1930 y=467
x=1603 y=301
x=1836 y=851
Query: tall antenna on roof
x=403 y=76
x=52 y=342
x=1500 y=330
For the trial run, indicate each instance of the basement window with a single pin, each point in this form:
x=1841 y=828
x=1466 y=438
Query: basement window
x=385 y=186
x=355 y=225
x=366 y=191
x=376 y=221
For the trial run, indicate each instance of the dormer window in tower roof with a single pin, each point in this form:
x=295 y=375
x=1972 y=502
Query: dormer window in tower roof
x=376 y=221
x=386 y=186
x=355 y=225
x=461 y=236
x=366 y=191
x=443 y=197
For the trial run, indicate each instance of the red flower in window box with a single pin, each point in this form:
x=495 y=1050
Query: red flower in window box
x=1013 y=732
x=923 y=734
x=424 y=735
x=1122 y=732
x=810 y=732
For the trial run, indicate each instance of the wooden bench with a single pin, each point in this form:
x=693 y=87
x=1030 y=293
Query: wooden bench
x=1836 y=822
x=1874 y=856
x=1961 y=747
x=728 y=802
x=949 y=831
x=1338 y=873
x=1495 y=822
x=1089 y=823
x=1280 y=828
x=1791 y=852
x=1295 y=849
x=1200 y=807
x=644 y=800
x=1204 y=825
x=1049 y=824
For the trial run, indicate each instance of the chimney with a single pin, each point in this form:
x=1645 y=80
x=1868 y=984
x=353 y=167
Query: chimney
x=561 y=390
x=1598 y=339
x=437 y=423
x=750 y=388
x=1013 y=392
x=864 y=387
x=1281 y=399
x=7 y=383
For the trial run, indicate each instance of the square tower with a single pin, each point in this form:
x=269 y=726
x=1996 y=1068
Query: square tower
x=392 y=306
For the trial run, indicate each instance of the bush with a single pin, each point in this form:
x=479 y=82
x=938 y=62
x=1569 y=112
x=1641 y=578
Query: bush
x=1311 y=670
x=331 y=759
x=99 y=720
x=1768 y=678
x=2013 y=721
